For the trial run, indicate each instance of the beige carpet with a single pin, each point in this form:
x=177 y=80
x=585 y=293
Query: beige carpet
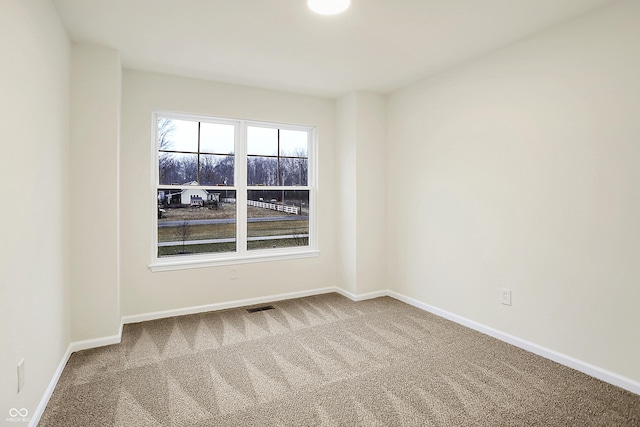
x=325 y=361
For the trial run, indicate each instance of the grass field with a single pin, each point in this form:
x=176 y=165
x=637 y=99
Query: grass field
x=226 y=211
x=196 y=249
x=277 y=228
x=230 y=247
x=223 y=231
x=281 y=243
x=198 y=232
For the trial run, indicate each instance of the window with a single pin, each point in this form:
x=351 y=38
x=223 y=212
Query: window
x=231 y=191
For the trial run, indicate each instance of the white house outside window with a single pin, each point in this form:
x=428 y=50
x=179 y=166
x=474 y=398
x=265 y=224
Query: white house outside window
x=231 y=191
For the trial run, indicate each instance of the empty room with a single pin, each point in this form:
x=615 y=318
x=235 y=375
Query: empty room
x=320 y=213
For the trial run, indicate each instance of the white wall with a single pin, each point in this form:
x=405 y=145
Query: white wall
x=143 y=291
x=346 y=150
x=34 y=115
x=521 y=170
x=371 y=192
x=95 y=129
x=361 y=168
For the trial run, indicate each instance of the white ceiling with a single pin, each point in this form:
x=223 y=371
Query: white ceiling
x=377 y=45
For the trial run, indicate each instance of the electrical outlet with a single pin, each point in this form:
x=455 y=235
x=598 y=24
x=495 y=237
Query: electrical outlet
x=506 y=296
x=20 y=375
x=233 y=273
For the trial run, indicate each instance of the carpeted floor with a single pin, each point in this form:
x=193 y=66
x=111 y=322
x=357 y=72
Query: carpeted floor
x=325 y=361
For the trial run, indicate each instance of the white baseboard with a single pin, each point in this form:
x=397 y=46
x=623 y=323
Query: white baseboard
x=224 y=305
x=563 y=359
x=96 y=342
x=35 y=416
x=361 y=297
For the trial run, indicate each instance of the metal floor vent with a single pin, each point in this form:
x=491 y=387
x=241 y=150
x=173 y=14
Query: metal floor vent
x=257 y=309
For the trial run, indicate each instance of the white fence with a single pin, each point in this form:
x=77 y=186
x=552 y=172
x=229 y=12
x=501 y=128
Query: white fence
x=281 y=208
x=228 y=200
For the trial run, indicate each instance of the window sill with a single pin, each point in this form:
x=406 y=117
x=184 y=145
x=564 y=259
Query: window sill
x=178 y=263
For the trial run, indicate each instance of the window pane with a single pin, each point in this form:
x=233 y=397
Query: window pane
x=216 y=170
x=277 y=219
x=177 y=168
x=293 y=171
x=178 y=135
x=196 y=221
x=262 y=170
x=293 y=143
x=262 y=141
x=166 y=133
x=216 y=138
x=168 y=173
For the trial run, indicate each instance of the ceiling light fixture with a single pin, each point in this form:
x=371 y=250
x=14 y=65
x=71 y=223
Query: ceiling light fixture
x=328 y=7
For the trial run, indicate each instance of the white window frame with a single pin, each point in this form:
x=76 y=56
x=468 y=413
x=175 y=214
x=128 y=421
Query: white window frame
x=242 y=255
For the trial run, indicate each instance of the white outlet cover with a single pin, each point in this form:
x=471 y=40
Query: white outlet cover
x=20 y=375
x=506 y=296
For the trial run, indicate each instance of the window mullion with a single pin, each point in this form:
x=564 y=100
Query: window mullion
x=198 y=162
x=241 y=185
